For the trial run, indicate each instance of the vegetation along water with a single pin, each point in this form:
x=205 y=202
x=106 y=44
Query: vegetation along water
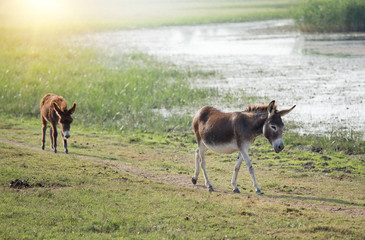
x=128 y=171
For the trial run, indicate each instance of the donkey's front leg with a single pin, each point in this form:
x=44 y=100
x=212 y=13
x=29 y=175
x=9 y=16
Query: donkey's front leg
x=54 y=135
x=64 y=143
x=235 y=173
x=244 y=153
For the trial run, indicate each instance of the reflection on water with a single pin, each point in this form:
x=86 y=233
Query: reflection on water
x=323 y=74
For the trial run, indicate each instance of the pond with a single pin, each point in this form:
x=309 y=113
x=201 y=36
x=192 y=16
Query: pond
x=323 y=74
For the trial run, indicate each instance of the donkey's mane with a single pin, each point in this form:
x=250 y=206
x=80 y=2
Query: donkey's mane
x=257 y=108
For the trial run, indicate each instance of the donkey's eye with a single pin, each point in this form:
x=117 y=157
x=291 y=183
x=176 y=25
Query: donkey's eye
x=273 y=127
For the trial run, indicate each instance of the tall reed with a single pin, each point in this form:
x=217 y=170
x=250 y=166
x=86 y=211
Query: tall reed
x=331 y=15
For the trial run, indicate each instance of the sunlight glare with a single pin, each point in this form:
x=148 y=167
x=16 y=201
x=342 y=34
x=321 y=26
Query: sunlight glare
x=45 y=9
x=45 y=6
x=43 y=12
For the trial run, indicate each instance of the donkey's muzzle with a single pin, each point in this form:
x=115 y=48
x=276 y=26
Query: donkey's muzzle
x=278 y=145
x=66 y=134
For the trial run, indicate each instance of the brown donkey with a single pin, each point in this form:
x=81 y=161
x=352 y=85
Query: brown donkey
x=54 y=110
x=235 y=132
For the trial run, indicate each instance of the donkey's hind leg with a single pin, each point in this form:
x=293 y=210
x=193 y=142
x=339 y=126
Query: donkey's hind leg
x=44 y=129
x=197 y=166
x=202 y=150
x=51 y=136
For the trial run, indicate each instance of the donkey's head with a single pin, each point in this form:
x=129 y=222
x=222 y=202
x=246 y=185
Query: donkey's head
x=65 y=119
x=273 y=127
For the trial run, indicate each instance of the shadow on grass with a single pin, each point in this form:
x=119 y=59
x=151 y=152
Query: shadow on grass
x=328 y=200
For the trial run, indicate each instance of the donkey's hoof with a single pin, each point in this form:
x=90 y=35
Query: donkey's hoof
x=259 y=192
x=236 y=190
x=66 y=151
x=193 y=180
x=210 y=188
x=55 y=150
x=42 y=147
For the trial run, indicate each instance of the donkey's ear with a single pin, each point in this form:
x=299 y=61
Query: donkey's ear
x=286 y=111
x=271 y=108
x=57 y=109
x=72 y=110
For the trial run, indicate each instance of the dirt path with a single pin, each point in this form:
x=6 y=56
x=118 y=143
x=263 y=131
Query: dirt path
x=185 y=182
x=171 y=179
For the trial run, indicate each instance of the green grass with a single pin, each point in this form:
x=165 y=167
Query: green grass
x=122 y=92
x=331 y=16
x=348 y=142
x=73 y=196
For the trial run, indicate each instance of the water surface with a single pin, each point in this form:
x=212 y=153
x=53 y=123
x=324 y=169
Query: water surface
x=324 y=75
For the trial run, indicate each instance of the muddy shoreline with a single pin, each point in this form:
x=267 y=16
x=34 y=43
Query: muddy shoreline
x=324 y=75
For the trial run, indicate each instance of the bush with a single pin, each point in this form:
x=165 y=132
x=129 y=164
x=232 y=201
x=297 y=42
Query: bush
x=331 y=16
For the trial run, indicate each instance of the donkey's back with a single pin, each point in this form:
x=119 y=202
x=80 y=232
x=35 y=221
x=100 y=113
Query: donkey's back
x=47 y=108
x=215 y=130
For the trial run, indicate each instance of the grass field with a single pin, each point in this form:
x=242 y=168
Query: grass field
x=128 y=174
x=138 y=187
